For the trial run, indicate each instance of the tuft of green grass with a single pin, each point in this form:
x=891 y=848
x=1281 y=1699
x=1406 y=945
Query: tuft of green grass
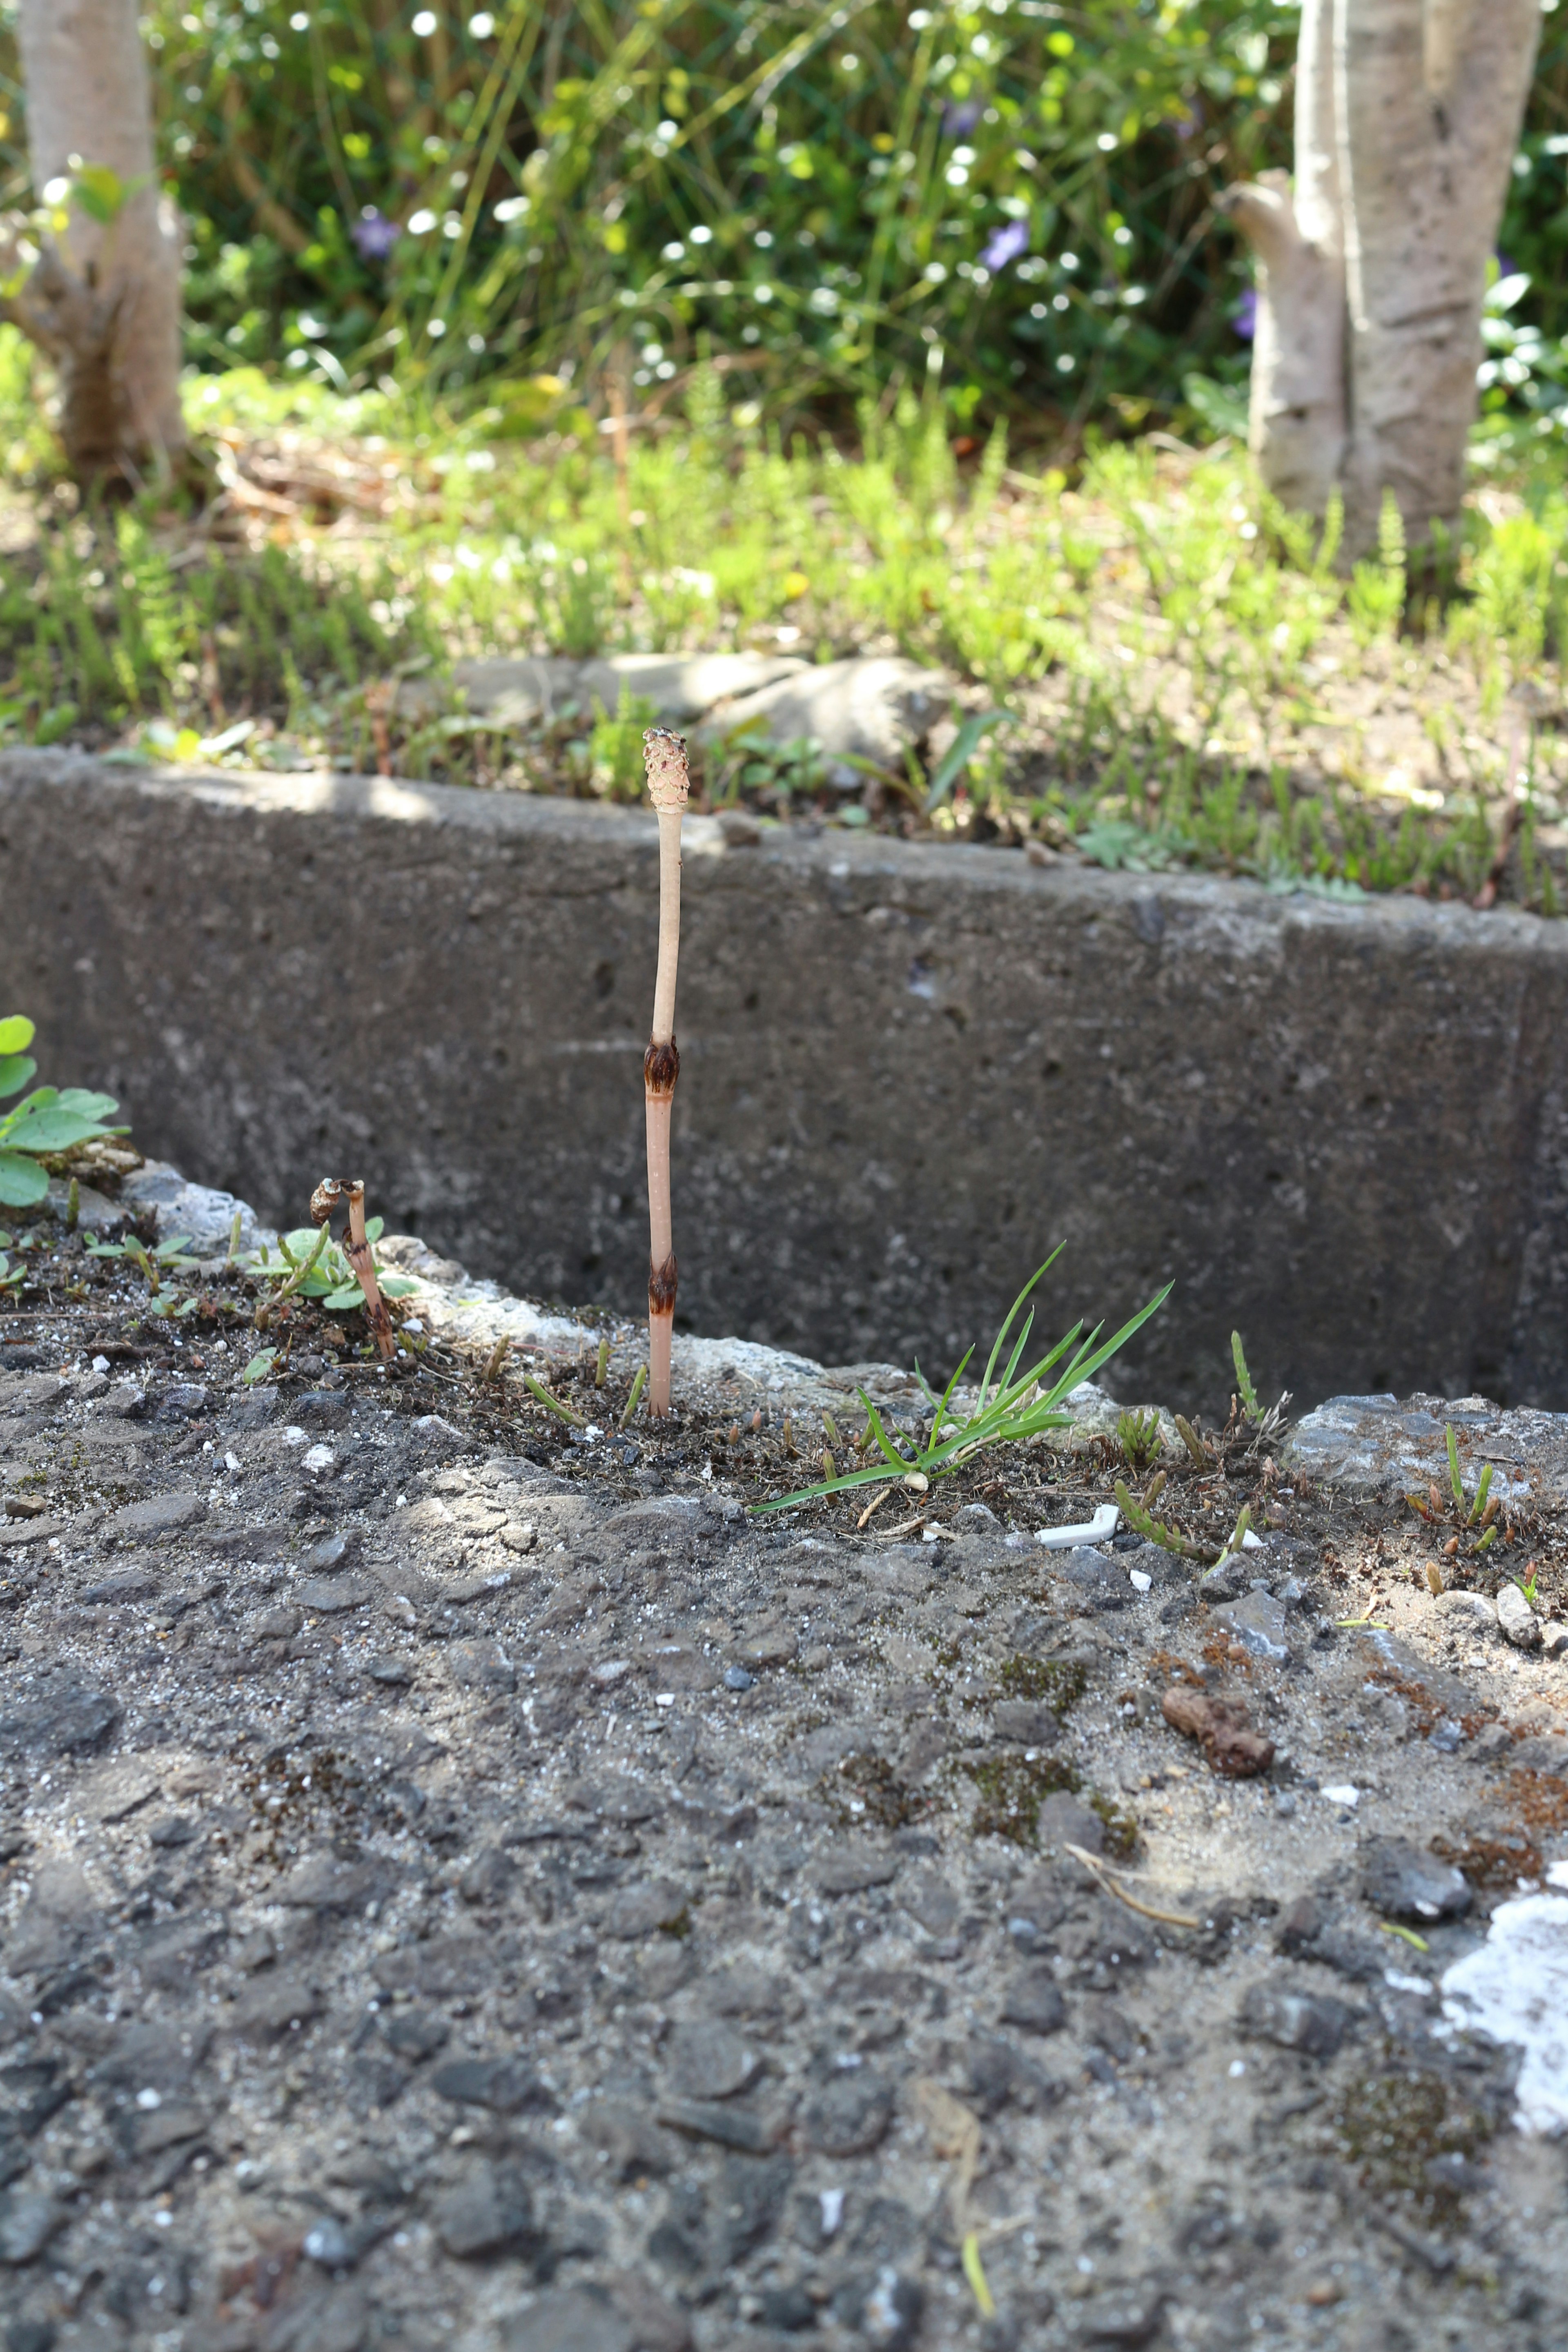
x=1011 y=1406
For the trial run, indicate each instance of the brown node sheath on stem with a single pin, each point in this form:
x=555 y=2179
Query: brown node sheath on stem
x=661 y=1068
x=328 y=1194
x=667 y=782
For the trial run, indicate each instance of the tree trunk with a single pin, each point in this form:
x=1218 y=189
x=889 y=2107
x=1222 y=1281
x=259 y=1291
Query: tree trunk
x=1370 y=277
x=103 y=302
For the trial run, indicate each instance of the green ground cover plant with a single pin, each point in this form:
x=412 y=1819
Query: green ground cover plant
x=1152 y=667
x=48 y=1120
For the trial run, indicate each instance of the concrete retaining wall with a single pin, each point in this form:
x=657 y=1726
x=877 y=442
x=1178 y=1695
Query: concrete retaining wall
x=907 y=1072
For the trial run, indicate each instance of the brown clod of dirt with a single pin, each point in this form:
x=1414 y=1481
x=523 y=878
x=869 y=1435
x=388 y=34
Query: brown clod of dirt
x=1222 y=1731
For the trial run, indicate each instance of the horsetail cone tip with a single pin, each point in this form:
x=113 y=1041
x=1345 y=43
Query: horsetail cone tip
x=328 y=1195
x=668 y=783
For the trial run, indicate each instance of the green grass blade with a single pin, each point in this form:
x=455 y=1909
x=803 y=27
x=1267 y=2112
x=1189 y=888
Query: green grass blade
x=1454 y=1481
x=890 y=1452
x=877 y=1477
x=965 y=745
x=1012 y=1311
x=1085 y=1369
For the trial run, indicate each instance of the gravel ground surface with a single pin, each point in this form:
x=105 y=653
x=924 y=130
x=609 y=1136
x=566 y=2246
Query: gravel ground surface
x=468 y=1883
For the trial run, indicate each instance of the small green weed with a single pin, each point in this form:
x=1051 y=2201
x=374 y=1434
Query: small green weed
x=50 y=1119
x=166 y=1257
x=616 y=746
x=310 y=1261
x=1138 y=1435
x=1466 y=1512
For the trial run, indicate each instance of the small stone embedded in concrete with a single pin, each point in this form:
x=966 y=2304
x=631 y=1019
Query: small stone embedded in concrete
x=1401 y=1881
x=130 y=1585
x=1064 y=1820
x=736 y=1678
x=333 y=1596
x=1296 y=2020
x=175 y=1830
x=442 y=1968
x=726 y=2125
x=487 y=2212
x=273 y=2005
x=329 y=2244
x=63 y=1722
x=1123 y=2315
x=849 y=2115
x=628 y=2137
x=773 y=1646
x=1033 y=1998
x=646 y=1907
x=160 y=1515
x=416 y=2033
x=480 y=1665
x=27 y=2224
x=1259 y=1622
x=852 y=1867
x=570 y=2319
x=1025 y=1723
x=1519 y=1624
x=506 y=2085
x=332 y=1552
x=708 y=2061
x=277 y=1624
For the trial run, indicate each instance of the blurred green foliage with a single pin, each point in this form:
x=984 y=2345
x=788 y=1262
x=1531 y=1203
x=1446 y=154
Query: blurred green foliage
x=1013 y=198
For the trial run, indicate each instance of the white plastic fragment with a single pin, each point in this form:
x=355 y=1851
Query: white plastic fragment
x=1342 y=1793
x=1514 y=1987
x=1098 y=1530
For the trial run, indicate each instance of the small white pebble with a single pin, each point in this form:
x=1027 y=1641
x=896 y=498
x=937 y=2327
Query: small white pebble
x=1237 y=2066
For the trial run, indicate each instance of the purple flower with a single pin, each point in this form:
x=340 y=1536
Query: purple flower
x=1245 y=317
x=374 y=235
x=1004 y=245
x=959 y=118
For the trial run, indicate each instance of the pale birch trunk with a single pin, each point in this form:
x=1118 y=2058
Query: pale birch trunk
x=104 y=303
x=1371 y=276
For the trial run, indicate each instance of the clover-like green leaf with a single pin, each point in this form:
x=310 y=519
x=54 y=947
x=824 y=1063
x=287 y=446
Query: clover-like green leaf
x=21 y=1181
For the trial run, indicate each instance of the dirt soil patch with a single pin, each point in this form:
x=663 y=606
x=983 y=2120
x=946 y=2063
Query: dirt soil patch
x=466 y=1878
